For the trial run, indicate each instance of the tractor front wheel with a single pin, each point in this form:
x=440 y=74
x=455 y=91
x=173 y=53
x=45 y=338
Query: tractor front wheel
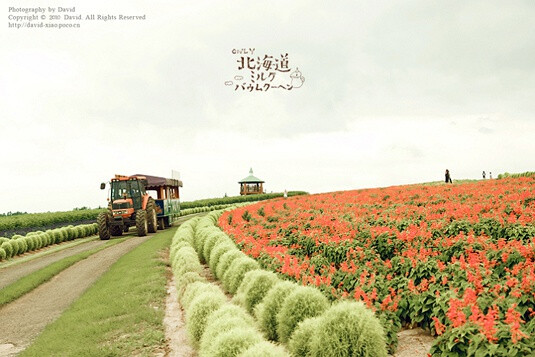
x=151 y=216
x=141 y=223
x=103 y=223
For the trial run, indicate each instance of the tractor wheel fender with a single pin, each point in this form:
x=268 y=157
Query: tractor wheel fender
x=145 y=200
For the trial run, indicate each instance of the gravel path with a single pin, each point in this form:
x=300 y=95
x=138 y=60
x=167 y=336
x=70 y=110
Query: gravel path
x=23 y=319
x=13 y=273
x=177 y=341
x=414 y=343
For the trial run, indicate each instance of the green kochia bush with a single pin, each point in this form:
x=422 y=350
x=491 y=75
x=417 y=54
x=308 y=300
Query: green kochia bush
x=46 y=239
x=176 y=245
x=15 y=245
x=207 y=301
x=254 y=288
x=264 y=349
x=233 y=342
x=184 y=280
x=200 y=237
x=72 y=233
x=3 y=254
x=69 y=233
x=266 y=312
x=39 y=242
x=219 y=249
x=226 y=318
x=302 y=303
x=78 y=232
x=65 y=234
x=30 y=243
x=235 y=272
x=86 y=231
x=210 y=242
x=195 y=289
x=186 y=260
x=183 y=237
x=20 y=243
x=8 y=248
x=225 y=261
x=299 y=344
x=348 y=329
x=55 y=234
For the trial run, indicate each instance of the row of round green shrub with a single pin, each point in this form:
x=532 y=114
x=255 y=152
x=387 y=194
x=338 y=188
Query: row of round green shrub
x=185 y=212
x=232 y=264
x=35 y=240
x=237 y=199
x=284 y=310
x=242 y=275
x=215 y=326
x=218 y=328
x=184 y=261
x=522 y=174
x=201 y=209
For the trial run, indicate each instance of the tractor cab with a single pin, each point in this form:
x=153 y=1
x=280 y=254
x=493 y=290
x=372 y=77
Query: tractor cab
x=126 y=194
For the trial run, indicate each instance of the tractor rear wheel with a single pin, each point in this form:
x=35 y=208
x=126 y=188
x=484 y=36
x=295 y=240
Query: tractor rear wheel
x=161 y=223
x=141 y=223
x=152 y=220
x=103 y=225
x=116 y=231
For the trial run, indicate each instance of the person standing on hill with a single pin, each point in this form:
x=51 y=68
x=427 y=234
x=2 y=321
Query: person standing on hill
x=484 y=175
x=448 y=177
x=490 y=175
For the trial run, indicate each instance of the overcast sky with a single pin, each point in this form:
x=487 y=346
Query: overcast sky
x=394 y=92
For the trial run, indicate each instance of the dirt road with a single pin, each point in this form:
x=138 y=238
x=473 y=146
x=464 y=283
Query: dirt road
x=13 y=273
x=23 y=319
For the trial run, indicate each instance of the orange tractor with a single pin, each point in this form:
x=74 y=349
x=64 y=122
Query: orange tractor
x=131 y=205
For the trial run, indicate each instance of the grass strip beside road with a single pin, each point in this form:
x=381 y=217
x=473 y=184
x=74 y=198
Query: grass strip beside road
x=120 y=315
x=33 y=280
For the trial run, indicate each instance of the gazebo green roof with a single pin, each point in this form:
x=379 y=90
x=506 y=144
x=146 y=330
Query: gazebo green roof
x=251 y=178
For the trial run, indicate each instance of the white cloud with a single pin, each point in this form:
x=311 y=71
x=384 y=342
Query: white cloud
x=394 y=93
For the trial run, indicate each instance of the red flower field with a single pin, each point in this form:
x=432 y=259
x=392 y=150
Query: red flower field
x=455 y=259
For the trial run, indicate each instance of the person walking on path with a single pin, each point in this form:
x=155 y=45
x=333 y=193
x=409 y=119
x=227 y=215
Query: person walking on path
x=448 y=177
x=483 y=175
